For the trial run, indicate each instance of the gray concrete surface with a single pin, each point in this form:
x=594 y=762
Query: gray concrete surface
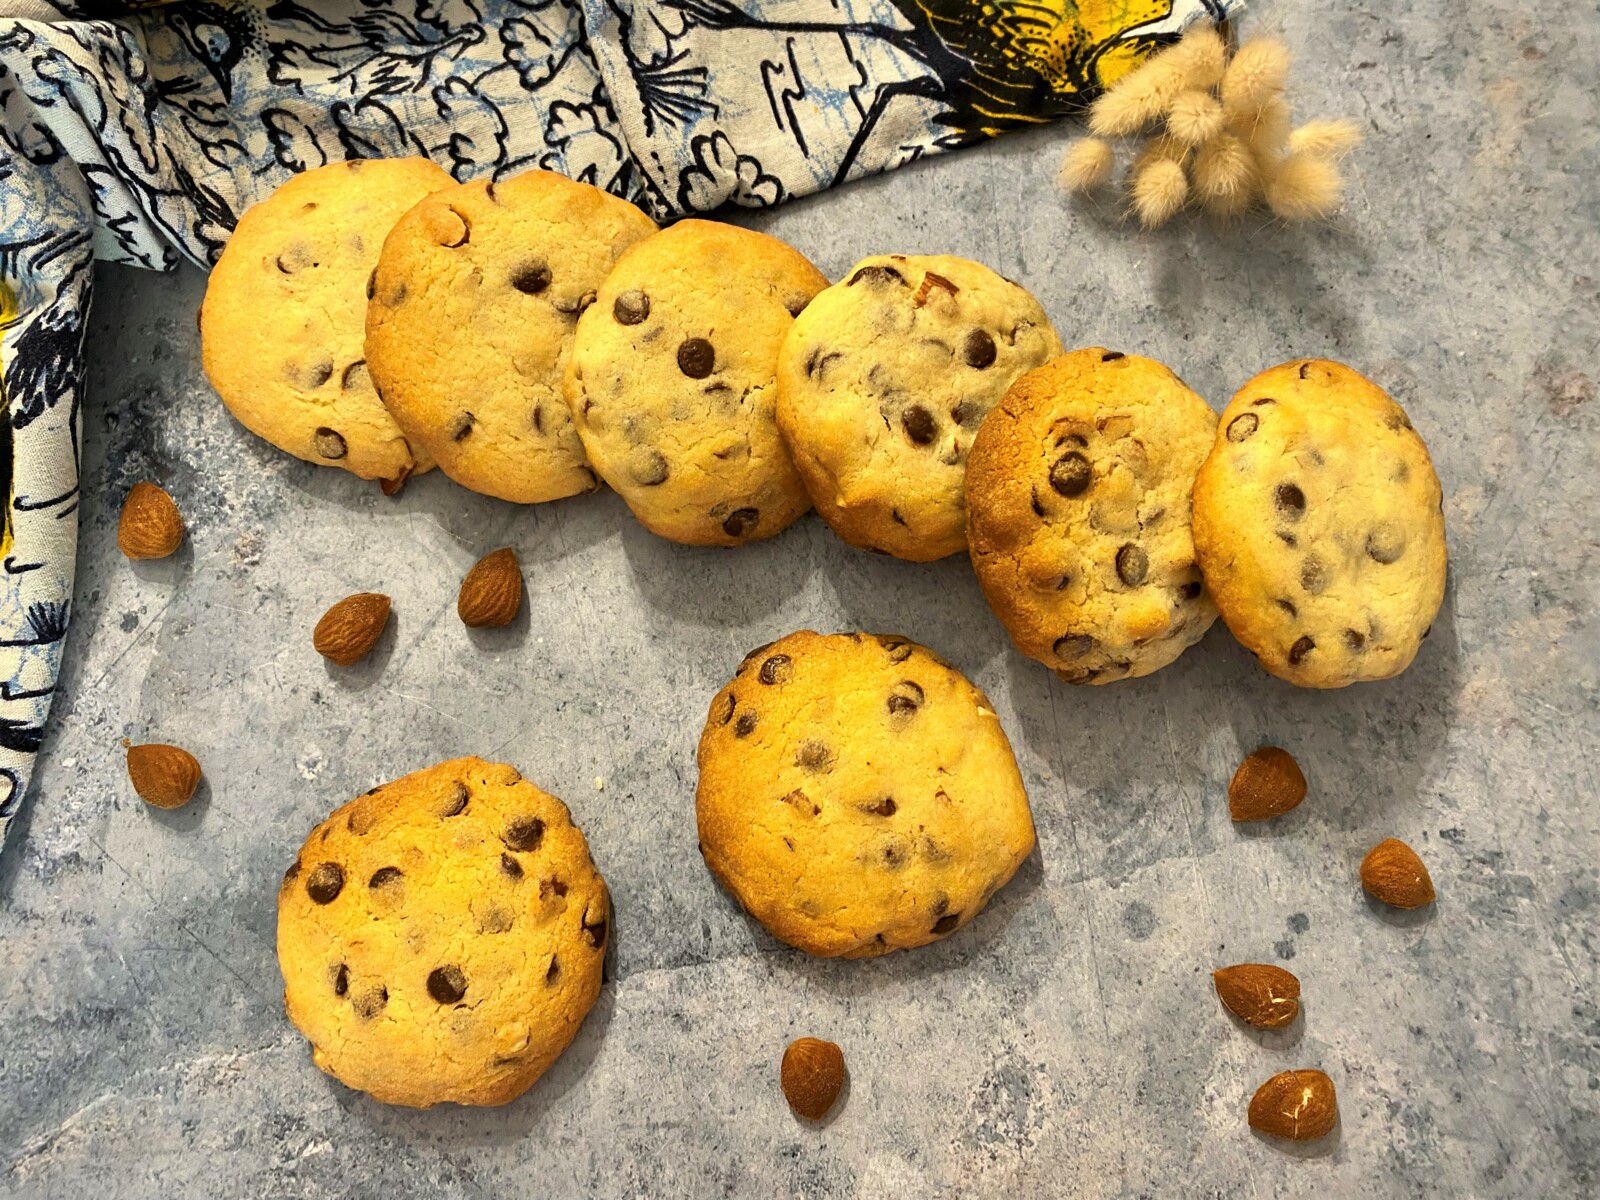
x=1068 y=1042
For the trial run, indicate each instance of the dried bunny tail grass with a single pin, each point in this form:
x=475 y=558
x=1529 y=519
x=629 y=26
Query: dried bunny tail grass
x=1303 y=187
x=1137 y=99
x=1202 y=56
x=1087 y=165
x=1255 y=76
x=1225 y=176
x=1195 y=117
x=1265 y=131
x=1159 y=191
x=1325 y=139
x=1161 y=148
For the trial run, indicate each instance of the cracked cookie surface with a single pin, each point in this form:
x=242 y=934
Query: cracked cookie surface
x=1079 y=490
x=857 y=794
x=882 y=383
x=442 y=936
x=1318 y=520
x=284 y=316
x=672 y=385
x=474 y=305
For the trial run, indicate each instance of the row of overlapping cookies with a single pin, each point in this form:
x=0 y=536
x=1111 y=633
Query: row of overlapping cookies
x=535 y=336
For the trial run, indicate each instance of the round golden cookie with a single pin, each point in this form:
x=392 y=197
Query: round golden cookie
x=857 y=794
x=671 y=382
x=441 y=937
x=284 y=315
x=1319 y=524
x=882 y=382
x=474 y=304
x=1079 y=488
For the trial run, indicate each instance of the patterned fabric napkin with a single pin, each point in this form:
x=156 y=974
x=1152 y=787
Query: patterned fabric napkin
x=138 y=132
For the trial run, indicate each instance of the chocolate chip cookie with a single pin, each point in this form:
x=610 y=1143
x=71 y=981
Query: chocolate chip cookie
x=884 y=380
x=1079 y=489
x=671 y=382
x=857 y=794
x=282 y=324
x=474 y=304
x=441 y=937
x=1318 y=521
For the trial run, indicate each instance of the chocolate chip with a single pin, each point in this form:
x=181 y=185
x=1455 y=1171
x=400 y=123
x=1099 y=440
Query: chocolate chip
x=1287 y=538
x=447 y=984
x=341 y=980
x=796 y=305
x=817 y=361
x=1288 y=607
x=1313 y=575
x=814 y=756
x=325 y=883
x=524 y=833
x=574 y=305
x=905 y=698
x=318 y=373
x=978 y=349
x=1074 y=645
x=1385 y=544
x=1071 y=474
x=1111 y=356
x=290 y=875
x=883 y=808
x=370 y=1003
x=647 y=467
x=630 y=308
x=740 y=521
x=1133 y=564
x=777 y=669
x=1300 y=649
x=1192 y=589
x=1263 y=400
x=920 y=425
x=454 y=802
x=538 y=418
x=947 y=922
x=1038 y=508
x=463 y=427
x=1242 y=426
x=696 y=358
x=459 y=239
x=531 y=278
x=329 y=443
x=354 y=375
x=899 y=649
x=1354 y=639
x=876 y=273
x=1291 y=501
x=967 y=414
x=385 y=877
x=745 y=725
x=510 y=866
x=727 y=705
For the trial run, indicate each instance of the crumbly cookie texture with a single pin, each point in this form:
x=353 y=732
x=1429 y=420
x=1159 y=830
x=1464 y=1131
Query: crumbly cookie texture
x=474 y=304
x=882 y=383
x=1078 y=514
x=441 y=937
x=671 y=382
x=1319 y=525
x=284 y=316
x=857 y=794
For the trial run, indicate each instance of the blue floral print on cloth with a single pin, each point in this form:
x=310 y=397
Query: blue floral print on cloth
x=138 y=133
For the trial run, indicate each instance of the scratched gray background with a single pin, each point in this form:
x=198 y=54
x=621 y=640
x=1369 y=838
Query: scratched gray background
x=1065 y=1043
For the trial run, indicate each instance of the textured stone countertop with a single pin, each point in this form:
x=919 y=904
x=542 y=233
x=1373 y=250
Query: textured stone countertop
x=1068 y=1041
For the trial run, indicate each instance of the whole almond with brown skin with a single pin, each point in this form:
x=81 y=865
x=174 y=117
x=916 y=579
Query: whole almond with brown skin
x=1393 y=873
x=164 y=776
x=812 y=1075
x=150 y=525
x=1298 y=1105
x=491 y=594
x=349 y=630
x=1266 y=996
x=1267 y=784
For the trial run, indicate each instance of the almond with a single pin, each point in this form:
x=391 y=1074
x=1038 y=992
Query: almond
x=150 y=525
x=1393 y=873
x=1266 y=996
x=164 y=776
x=1298 y=1105
x=349 y=630
x=1268 y=783
x=812 y=1075
x=491 y=594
